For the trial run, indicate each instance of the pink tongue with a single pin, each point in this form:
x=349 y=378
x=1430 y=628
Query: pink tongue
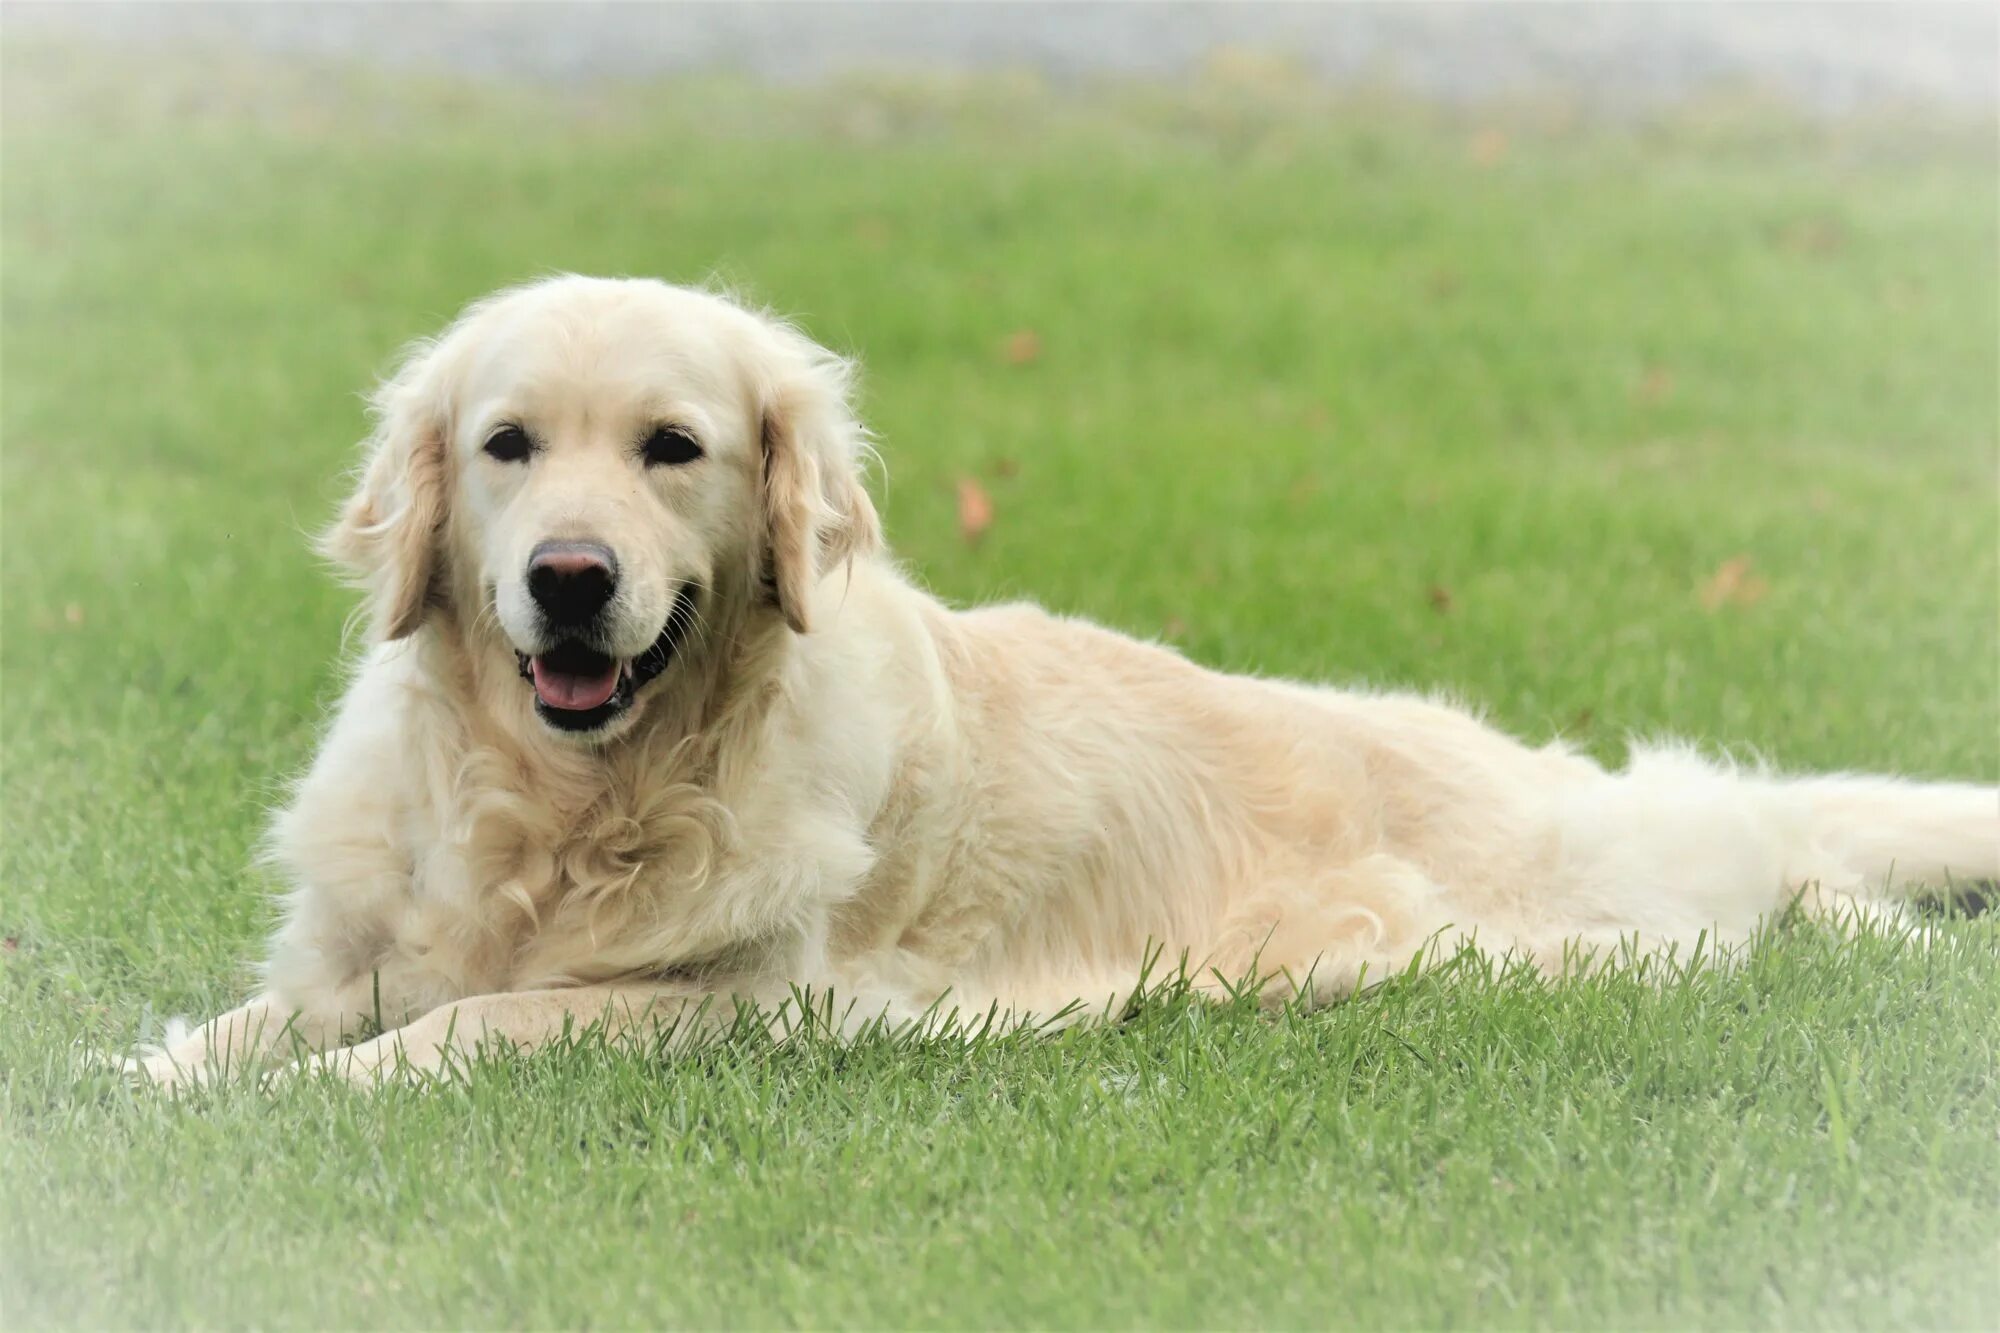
x=564 y=689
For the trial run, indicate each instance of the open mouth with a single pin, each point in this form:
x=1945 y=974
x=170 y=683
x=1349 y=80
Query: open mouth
x=573 y=678
x=581 y=688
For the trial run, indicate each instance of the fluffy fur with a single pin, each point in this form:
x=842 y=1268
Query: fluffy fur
x=839 y=783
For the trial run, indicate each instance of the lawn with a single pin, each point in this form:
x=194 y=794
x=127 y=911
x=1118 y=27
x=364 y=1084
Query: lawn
x=1682 y=425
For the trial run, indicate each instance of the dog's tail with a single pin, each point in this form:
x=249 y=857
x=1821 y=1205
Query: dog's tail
x=1899 y=837
x=1679 y=843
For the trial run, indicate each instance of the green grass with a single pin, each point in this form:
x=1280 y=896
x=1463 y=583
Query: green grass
x=1327 y=388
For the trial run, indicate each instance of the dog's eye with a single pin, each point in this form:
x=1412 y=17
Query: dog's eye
x=509 y=444
x=669 y=446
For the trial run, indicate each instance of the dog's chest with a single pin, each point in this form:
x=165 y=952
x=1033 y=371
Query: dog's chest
x=532 y=894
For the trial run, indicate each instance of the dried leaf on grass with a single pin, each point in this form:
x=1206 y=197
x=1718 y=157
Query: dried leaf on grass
x=975 y=510
x=1734 y=583
x=1021 y=347
x=1488 y=148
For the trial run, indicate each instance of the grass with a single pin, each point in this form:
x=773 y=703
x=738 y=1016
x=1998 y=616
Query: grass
x=1338 y=388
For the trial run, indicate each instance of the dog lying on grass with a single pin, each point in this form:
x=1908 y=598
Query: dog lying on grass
x=652 y=727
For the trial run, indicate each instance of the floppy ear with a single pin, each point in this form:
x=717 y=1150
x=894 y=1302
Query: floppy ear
x=389 y=536
x=817 y=514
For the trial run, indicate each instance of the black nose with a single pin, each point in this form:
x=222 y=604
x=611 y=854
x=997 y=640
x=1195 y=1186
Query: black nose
x=571 y=581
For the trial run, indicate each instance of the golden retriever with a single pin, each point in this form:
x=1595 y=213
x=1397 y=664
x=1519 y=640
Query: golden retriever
x=651 y=726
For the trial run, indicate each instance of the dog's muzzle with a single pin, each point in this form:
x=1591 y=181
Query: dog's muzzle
x=581 y=688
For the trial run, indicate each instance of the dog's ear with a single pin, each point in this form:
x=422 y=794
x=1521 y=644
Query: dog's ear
x=390 y=533
x=817 y=515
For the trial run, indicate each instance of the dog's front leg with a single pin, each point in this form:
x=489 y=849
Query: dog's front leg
x=523 y=1020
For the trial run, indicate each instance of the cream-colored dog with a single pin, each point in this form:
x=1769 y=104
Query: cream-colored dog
x=652 y=726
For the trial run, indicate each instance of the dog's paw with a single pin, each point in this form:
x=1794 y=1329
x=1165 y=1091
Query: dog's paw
x=151 y=1067
x=149 y=1064
x=95 y=1063
x=160 y=1071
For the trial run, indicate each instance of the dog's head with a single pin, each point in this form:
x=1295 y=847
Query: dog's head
x=581 y=473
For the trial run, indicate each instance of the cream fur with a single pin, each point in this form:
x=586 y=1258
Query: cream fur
x=841 y=784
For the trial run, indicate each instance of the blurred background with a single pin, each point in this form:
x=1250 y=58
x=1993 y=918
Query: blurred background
x=1419 y=343
x=1616 y=55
